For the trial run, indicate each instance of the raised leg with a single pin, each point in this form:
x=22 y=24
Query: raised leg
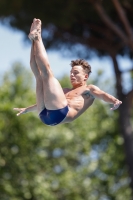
x=39 y=82
x=54 y=97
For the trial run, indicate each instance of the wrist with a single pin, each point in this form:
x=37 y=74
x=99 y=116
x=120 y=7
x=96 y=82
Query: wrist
x=25 y=110
x=116 y=101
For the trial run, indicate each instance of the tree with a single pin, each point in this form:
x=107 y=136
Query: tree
x=76 y=161
x=83 y=26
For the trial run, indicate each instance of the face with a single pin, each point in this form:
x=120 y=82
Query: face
x=78 y=76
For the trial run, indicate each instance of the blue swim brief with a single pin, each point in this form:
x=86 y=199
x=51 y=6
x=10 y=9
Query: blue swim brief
x=53 y=117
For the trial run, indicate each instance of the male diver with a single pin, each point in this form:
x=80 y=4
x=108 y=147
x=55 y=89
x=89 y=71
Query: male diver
x=54 y=104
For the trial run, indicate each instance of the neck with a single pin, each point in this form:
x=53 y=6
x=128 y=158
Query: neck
x=79 y=85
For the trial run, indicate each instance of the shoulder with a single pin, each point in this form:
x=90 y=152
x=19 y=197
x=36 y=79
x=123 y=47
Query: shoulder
x=92 y=87
x=95 y=91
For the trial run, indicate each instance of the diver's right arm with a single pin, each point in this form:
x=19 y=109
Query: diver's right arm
x=26 y=110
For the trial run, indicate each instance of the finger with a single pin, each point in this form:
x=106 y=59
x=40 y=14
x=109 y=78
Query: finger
x=111 y=108
x=18 y=109
x=15 y=108
x=19 y=113
x=114 y=108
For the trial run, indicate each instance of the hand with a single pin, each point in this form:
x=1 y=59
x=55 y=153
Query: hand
x=116 y=105
x=20 y=111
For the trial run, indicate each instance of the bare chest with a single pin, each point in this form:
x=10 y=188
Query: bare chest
x=78 y=98
x=79 y=93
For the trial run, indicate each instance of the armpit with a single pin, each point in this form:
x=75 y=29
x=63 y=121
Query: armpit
x=87 y=94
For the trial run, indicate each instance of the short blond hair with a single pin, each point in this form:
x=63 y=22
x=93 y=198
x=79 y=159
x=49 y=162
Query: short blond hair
x=84 y=64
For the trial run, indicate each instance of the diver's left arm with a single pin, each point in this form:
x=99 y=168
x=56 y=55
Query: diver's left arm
x=100 y=94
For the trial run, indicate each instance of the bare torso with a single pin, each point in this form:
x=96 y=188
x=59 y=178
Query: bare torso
x=79 y=100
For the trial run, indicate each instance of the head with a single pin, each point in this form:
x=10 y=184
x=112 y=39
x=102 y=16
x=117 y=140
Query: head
x=80 y=72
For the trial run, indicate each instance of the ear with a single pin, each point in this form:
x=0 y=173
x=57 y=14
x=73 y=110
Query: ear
x=86 y=77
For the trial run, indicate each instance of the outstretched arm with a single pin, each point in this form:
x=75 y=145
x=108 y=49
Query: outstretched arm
x=97 y=93
x=26 y=110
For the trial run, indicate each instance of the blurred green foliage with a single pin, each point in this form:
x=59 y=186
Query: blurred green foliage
x=83 y=160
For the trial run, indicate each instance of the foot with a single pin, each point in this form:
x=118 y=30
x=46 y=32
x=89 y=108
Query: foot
x=35 y=29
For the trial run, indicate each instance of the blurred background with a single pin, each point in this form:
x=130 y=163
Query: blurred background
x=92 y=157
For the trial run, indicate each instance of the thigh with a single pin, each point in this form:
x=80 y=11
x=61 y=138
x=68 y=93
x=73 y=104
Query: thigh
x=54 y=97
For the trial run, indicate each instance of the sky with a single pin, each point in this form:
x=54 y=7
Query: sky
x=15 y=49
